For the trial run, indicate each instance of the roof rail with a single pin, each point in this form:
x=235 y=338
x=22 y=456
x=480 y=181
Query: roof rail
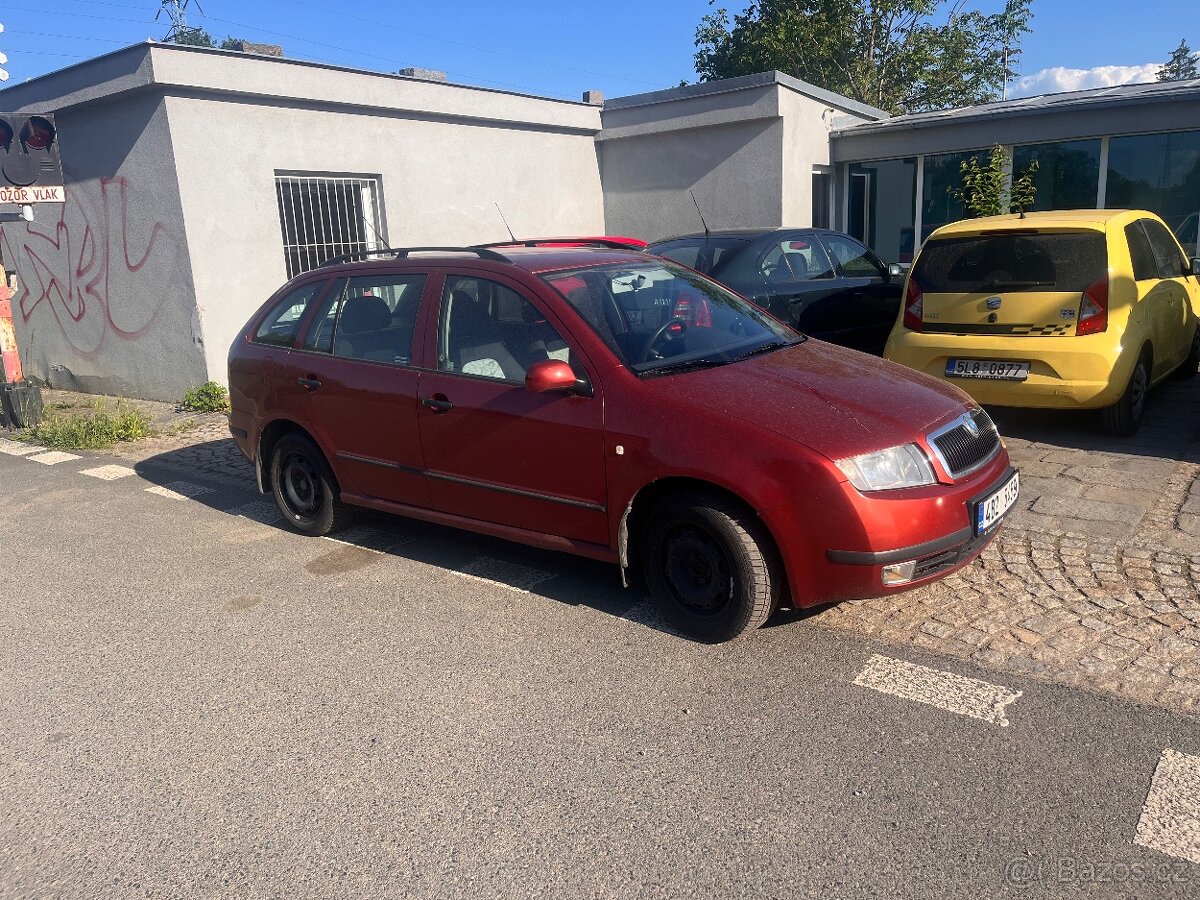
x=577 y=241
x=403 y=252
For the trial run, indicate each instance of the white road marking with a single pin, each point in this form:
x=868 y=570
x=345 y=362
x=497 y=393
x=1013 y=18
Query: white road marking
x=372 y=539
x=108 y=473
x=503 y=574
x=1170 y=821
x=16 y=448
x=54 y=457
x=266 y=513
x=965 y=696
x=178 y=490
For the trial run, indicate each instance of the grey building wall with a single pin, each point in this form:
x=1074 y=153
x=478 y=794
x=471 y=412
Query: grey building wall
x=745 y=146
x=105 y=301
x=172 y=215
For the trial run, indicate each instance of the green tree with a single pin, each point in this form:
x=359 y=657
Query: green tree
x=230 y=43
x=1181 y=66
x=194 y=37
x=982 y=191
x=899 y=55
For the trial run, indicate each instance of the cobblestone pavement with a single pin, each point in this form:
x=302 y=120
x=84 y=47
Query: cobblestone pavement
x=1094 y=580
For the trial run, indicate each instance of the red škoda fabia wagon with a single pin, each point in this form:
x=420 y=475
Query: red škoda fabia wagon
x=618 y=406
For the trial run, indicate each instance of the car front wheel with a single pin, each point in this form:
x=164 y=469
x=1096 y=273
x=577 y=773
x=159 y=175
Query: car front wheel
x=304 y=488
x=711 y=567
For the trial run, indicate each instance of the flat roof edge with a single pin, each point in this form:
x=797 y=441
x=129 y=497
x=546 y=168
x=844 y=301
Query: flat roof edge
x=744 y=83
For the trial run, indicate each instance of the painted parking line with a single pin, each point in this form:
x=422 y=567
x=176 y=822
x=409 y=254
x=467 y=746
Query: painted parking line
x=266 y=513
x=178 y=490
x=108 y=473
x=54 y=457
x=945 y=690
x=16 y=448
x=366 y=538
x=1170 y=820
x=503 y=574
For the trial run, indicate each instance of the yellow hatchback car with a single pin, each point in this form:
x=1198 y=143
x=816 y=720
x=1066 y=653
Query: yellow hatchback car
x=1083 y=309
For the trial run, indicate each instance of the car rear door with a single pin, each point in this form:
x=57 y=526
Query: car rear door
x=1018 y=281
x=495 y=451
x=1168 y=298
x=357 y=372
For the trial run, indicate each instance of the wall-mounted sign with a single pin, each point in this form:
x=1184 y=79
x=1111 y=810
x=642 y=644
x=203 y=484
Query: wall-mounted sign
x=30 y=167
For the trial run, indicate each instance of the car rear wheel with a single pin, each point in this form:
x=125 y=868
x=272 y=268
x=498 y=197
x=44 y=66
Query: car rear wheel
x=1124 y=417
x=711 y=567
x=305 y=489
x=1192 y=363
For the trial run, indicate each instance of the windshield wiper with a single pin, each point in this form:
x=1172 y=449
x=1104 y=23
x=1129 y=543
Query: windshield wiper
x=675 y=368
x=770 y=347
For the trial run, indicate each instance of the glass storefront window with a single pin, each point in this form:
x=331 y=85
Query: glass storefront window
x=882 y=206
x=942 y=173
x=1068 y=175
x=1161 y=173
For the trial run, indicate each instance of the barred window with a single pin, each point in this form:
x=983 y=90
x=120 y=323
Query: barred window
x=323 y=216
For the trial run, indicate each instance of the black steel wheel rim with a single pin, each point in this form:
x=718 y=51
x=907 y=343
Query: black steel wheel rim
x=697 y=569
x=1139 y=389
x=300 y=486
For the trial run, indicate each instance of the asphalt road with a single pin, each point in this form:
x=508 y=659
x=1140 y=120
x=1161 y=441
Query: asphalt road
x=196 y=703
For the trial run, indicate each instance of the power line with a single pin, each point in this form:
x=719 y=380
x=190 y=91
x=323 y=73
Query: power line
x=433 y=37
x=69 y=37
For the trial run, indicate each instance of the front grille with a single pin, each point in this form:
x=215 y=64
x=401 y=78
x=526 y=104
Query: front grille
x=960 y=450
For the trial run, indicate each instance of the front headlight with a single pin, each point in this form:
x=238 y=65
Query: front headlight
x=887 y=470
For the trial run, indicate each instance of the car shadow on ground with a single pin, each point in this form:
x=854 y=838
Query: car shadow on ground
x=1170 y=429
x=552 y=575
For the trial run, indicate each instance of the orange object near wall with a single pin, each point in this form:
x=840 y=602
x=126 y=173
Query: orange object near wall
x=8 y=338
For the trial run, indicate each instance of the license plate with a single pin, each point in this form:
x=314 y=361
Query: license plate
x=991 y=509
x=993 y=369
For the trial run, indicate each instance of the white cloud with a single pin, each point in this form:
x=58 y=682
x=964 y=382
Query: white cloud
x=1058 y=79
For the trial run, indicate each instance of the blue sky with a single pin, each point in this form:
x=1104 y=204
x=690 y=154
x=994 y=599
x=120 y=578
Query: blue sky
x=547 y=46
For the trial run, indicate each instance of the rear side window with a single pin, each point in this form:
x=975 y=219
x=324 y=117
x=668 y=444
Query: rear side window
x=370 y=317
x=1168 y=258
x=797 y=259
x=707 y=255
x=1144 y=264
x=282 y=322
x=1028 y=261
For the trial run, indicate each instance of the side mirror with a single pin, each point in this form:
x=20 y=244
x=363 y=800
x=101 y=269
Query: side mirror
x=549 y=375
x=1195 y=265
x=895 y=270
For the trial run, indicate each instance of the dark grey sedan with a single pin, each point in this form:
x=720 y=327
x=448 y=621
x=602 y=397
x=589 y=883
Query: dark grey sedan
x=823 y=282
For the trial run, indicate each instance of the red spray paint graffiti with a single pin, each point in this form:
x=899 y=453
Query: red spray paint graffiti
x=85 y=270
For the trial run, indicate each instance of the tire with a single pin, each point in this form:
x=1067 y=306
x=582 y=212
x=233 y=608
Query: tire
x=711 y=567
x=1124 y=417
x=305 y=489
x=1192 y=363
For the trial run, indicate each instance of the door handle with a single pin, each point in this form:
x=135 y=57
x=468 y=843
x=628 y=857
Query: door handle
x=438 y=404
x=309 y=383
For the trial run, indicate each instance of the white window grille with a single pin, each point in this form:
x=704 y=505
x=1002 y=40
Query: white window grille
x=323 y=216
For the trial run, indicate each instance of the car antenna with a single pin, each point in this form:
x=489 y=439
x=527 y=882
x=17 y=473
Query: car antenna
x=505 y=221
x=692 y=194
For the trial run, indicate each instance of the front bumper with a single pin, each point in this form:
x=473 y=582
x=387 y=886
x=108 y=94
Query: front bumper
x=863 y=533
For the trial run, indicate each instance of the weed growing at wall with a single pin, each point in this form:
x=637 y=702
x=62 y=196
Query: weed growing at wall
x=209 y=397
x=96 y=430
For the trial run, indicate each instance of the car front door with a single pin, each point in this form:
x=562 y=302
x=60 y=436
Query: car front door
x=797 y=282
x=872 y=297
x=355 y=368
x=494 y=450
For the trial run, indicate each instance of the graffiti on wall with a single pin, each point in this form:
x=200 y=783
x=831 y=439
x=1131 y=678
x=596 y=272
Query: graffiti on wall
x=90 y=270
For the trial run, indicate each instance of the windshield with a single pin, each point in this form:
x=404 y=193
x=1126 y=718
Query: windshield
x=1062 y=261
x=658 y=317
x=705 y=254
